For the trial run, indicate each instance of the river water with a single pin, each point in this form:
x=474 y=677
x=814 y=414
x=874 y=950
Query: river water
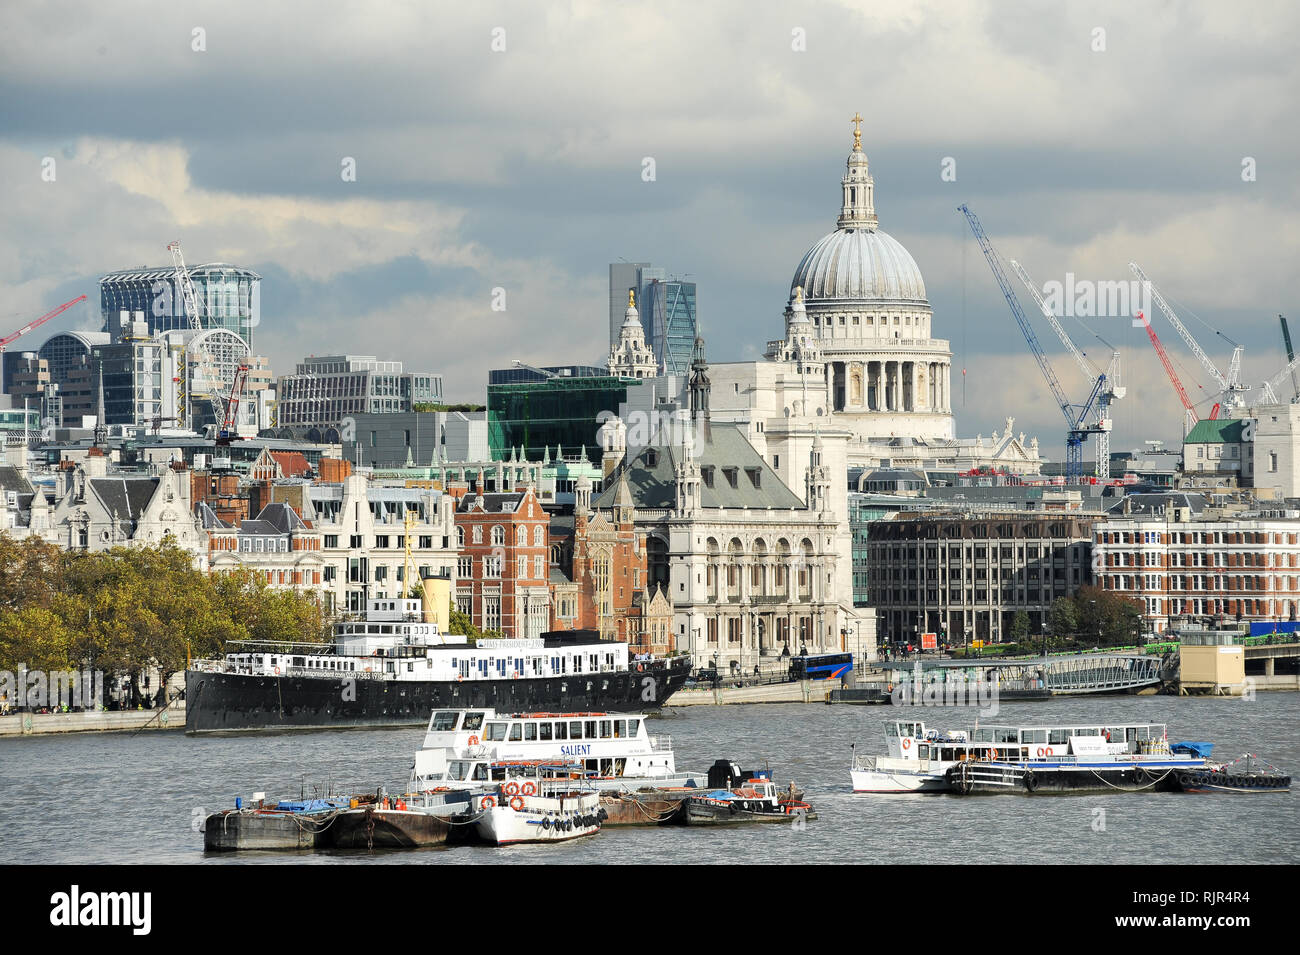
x=118 y=798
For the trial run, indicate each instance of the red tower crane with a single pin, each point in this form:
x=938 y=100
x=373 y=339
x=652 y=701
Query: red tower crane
x=4 y=342
x=1191 y=416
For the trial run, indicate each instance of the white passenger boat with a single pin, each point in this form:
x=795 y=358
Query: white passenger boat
x=549 y=804
x=613 y=751
x=1059 y=758
x=918 y=760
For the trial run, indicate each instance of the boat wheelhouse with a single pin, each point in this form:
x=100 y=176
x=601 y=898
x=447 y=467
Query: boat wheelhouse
x=917 y=761
x=614 y=751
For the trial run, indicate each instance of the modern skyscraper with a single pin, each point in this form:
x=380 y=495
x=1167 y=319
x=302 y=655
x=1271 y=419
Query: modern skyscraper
x=667 y=308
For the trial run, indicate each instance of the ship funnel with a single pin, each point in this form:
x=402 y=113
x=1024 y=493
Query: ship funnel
x=437 y=601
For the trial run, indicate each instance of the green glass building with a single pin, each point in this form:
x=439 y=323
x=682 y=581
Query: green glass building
x=561 y=410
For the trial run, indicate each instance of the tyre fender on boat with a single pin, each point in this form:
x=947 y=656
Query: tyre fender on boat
x=1031 y=782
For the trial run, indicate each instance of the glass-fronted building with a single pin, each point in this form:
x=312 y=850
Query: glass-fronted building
x=228 y=297
x=668 y=316
x=544 y=413
x=325 y=390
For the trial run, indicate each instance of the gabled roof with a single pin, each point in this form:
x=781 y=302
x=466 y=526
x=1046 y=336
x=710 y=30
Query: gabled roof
x=281 y=517
x=725 y=454
x=292 y=463
x=1217 y=431
x=126 y=498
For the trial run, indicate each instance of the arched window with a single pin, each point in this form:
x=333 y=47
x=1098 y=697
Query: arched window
x=539 y=536
x=498 y=535
x=521 y=536
x=460 y=536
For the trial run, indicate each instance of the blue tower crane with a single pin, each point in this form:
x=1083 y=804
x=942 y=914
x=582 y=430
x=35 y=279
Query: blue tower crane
x=1075 y=415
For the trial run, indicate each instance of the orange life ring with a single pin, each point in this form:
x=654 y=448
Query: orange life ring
x=907 y=743
x=473 y=741
x=512 y=788
x=487 y=802
x=528 y=789
x=517 y=803
x=277 y=671
x=993 y=753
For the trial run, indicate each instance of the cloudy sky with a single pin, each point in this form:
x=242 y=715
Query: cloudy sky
x=1084 y=135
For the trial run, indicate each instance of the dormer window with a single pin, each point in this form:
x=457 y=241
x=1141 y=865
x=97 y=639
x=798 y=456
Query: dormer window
x=706 y=472
x=731 y=474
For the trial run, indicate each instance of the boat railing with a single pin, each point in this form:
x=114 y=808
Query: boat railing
x=865 y=763
x=661 y=744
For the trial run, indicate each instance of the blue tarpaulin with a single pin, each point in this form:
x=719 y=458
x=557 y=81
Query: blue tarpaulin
x=1264 y=627
x=1193 y=749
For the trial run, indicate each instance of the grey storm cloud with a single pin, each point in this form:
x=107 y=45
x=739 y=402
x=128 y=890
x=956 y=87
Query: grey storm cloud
x=521 y=169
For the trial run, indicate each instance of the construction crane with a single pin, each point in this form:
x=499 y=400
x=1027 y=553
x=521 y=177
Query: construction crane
x=190 y=306
x=1074 y=415
x=37 y=323
x=228 y=429
x=1110 y=392
x=1232 y=392
x=1190 y=416
x=1270 y=394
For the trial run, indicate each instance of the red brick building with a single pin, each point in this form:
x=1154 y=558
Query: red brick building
x=503 y=569
x=606 y=586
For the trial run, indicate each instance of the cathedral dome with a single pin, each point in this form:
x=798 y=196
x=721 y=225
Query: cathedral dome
x=859 y=265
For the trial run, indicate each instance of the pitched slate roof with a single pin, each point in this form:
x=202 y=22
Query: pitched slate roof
x=11 y=480
x=725 y=455
x=281 y=517
x=125 y=497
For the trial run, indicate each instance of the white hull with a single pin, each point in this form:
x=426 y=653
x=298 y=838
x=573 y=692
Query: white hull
x=868 y=781
x=539 y=819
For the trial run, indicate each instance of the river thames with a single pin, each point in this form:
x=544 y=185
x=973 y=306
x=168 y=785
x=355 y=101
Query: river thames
x=118 y=798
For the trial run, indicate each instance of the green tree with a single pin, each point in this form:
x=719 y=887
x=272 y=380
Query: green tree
x=1063 y=617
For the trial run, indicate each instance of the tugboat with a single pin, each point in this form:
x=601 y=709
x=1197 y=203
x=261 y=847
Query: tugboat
x=394 y=667
x=754 y=799
x=1245 y=774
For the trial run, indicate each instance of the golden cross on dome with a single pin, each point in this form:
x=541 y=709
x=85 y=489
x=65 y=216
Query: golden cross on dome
x=631 y=298
x=857 y=130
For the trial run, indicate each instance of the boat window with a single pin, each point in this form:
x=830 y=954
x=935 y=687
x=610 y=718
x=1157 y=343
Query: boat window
x=530 y=732
x=607 y=767
x=1088 y=731
x=1115 y=734
x=1034 y=736
x=923 y=752
x=891 y=729
x=545 y=730
x=1058 y=737
x=457 y=769
x=589 y=730
x=1005 y=735
x=620 y=765
x=480 y=772
x=516 y=732
x=633 y=727
x=498 y=773
x=620 y=729
x=561 y=730
x=605 y=729
x=496 y=732
x=575 y=730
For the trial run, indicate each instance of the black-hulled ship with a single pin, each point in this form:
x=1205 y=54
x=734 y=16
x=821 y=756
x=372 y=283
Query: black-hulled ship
x=395 y=667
